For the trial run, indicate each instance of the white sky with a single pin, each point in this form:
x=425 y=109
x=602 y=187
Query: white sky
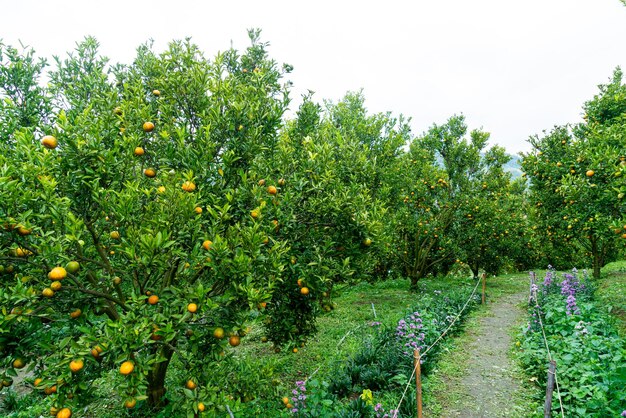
x=514 y=68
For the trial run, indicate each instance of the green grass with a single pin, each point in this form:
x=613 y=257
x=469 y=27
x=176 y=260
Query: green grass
x=611 y=291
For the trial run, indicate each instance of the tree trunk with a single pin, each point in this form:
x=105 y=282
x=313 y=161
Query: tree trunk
x=156 y=380
x=597 y=258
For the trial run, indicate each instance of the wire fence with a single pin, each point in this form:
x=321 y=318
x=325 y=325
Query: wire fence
x=422 y=354
x=535 y=299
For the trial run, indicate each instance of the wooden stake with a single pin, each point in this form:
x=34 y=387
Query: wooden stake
x=484 y=284
x=547 y=409
x=418 y=381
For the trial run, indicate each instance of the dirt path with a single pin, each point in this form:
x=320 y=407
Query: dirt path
x=478 y=377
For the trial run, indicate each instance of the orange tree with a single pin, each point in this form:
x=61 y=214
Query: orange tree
x=321 y=193
x=130 y=229
x=576 y=178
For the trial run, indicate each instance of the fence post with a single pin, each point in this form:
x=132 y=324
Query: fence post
x=484 y=284
x=547 y=409
x=418 y=381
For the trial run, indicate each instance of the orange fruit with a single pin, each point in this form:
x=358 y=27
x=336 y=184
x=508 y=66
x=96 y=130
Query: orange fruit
x=50 y=390
x=47 y=292
x=300 y=282
x=117 y=281
x=153 y=300
x=189 y=186
x=95 y=354
x=304 y=291
x=75 y=314
x=130 y=403
x=49 y=142
x=201 y=407
x=23 y=231
x=295 y=350
x=64 y=413
x=148 y=126
x=285 y=400
x=76 y=365
x=234 y=340
x=218 y=333
x=72 y=267
x=57 y=273
x=56 y=286
x=272 y=190
x=127 y=368
x=156 y=93
x=18 y=363
x=149 y=172
x=139 y=151
x=198 y=210
x=192 y=307
x=281 y=182
x=207 y=244
x=254 y=214
x=37 y=381
x=262 y=182
x=190 y=384
x=115 y=235
x=161 y=189
x=590 y=173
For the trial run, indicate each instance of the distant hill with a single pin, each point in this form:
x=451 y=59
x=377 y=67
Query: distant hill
x=514 y=166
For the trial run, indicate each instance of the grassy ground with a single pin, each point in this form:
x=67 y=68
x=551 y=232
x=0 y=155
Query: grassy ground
x=611 y=290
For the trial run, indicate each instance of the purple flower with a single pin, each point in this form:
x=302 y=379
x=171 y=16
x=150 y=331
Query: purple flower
x=624 y=413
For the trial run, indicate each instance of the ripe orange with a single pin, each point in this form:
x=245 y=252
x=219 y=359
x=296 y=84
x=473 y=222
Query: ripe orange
x=115 y=235
x=50 y=390
x=49 y=142
x=590 y=173
x=192 y=307
x=56 y=286
x=130 y=403
x=300 y=282
x=76 y=365
x=18 y=363
x=285 y=400
x=57 y=273
x=127 y=368
x=304 y=291
x=64 y=413
x=47 y=292
x=157 y=93
x=23 y=231
x=189 y=186
x=72 y=267
x=190 y=384
x=148 y=126
x=234 y=340
x=201 y=407
x=139 y=151
x=272 y=190
x=149 y=172
x=37 y=381
x=295 y=350
x=207 y=244
x=198 y=210
x=218 y=333
x=153 y=300
x=254 y=214
x=75 y=314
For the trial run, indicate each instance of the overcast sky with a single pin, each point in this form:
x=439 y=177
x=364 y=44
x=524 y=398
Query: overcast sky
x=514 y=68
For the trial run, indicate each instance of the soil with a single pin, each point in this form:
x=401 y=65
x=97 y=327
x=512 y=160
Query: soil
x=490 y=380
